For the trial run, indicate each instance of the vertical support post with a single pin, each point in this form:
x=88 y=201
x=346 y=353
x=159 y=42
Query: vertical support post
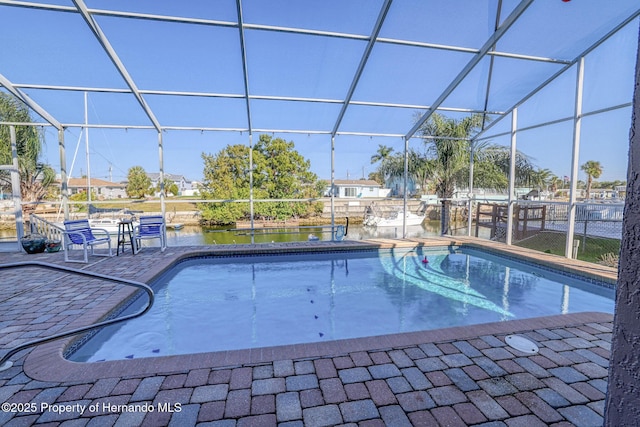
x=15 y=185
x=163 y=208
x=512 y=175
x=86 y=146
x=63 y=174
x=251 y=186
x=495 y=216
x=333 y=177
x=405 y=174
x=575 y=158
x=470 y=203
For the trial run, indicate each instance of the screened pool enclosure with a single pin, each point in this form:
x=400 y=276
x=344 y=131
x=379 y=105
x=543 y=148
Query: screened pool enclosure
x=160 y=83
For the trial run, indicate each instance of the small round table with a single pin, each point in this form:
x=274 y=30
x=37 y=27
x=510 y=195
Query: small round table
x=125 y=227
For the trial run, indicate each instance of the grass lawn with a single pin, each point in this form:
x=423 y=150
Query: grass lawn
x=589 y=250
x=172 y=204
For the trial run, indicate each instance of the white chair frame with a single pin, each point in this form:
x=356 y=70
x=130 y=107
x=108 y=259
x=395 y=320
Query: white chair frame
x=79 y=232
x=150 y=227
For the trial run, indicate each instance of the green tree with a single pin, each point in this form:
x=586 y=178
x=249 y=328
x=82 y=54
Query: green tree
x=36 y=178
x=81 y=196
x=500 y=156
x=382 y=153
x=609 y=184
x=554 y=182
x=540 y=178
x=170 y=187
x=138 y=183
x=377 y=177
x=226 y=177
x=449 y=151
x=593 y=169
x=28 y=138
x=279 y=172
x=386 y=163
x=449 y=148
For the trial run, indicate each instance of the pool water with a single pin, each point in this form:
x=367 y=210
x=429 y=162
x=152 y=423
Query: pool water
x=212 y=304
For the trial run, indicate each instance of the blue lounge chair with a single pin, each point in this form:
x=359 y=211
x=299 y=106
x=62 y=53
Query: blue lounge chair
x=150 y=227
x=78 y=232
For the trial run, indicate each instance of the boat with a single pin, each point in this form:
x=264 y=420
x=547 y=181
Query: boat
x=396 y=218
x=111 y=224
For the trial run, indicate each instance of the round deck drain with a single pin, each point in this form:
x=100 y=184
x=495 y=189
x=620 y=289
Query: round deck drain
x=522 y=344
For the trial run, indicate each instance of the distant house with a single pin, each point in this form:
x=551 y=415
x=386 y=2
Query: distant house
x=194 y=190
x=357 y=188
x=185 y=186
x=104 y=190
x=396 y=186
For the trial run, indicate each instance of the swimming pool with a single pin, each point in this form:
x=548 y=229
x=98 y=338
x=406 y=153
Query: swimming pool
x=226 y=303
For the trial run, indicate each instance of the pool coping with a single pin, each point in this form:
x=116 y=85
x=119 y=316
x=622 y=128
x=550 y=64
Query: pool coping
x=46 y=362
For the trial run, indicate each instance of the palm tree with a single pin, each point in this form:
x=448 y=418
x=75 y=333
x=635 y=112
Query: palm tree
x=385 y=168
x=28 y=138
x=540 y=178
x=449 y=148
x=553 y=183
x=501 y=157
x=392 y=166
x=35 y=178
x=449 y=151
x=420 y=169
x=593 y=169
x=382 y=153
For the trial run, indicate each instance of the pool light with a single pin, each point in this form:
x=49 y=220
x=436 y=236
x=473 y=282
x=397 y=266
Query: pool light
x=522 y=344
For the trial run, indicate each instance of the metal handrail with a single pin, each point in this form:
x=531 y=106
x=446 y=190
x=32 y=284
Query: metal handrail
x=47 y=228
x=4 y=361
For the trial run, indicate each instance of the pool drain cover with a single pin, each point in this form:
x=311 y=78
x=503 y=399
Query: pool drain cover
x=522 y=344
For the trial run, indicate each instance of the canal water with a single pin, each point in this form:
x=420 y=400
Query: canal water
x=198 y=236
x=195 y=235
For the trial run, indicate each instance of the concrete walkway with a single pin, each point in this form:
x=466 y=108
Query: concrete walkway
x=451 y=377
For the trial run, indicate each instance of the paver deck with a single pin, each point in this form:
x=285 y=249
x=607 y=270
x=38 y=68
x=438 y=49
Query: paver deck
x=450 y=377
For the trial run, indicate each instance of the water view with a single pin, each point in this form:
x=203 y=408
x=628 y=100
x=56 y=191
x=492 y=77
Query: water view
x=194 y=235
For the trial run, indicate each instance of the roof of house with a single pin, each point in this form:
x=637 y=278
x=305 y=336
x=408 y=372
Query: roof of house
x=154 y=176
x=360 y=182
x=95 y=182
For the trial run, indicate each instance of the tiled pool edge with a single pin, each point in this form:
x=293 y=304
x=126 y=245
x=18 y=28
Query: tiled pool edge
x=548 y=261
x=46 y=362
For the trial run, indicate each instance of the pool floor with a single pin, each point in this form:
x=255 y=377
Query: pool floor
x=239 y=303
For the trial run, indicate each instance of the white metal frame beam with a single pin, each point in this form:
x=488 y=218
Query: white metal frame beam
x=251 y=97
x=15 y=91
x=245 y=68
x=273 y=28
x=495 y=37
x=106 y=45
x=564 y=69
x=363 y=62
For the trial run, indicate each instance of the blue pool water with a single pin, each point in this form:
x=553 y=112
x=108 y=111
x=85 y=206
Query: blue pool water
x=211 y=304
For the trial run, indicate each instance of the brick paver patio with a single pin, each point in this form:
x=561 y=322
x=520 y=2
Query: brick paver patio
x=452 y=377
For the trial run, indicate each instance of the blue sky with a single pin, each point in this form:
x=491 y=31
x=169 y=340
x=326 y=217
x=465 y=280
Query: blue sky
x=54 y=48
